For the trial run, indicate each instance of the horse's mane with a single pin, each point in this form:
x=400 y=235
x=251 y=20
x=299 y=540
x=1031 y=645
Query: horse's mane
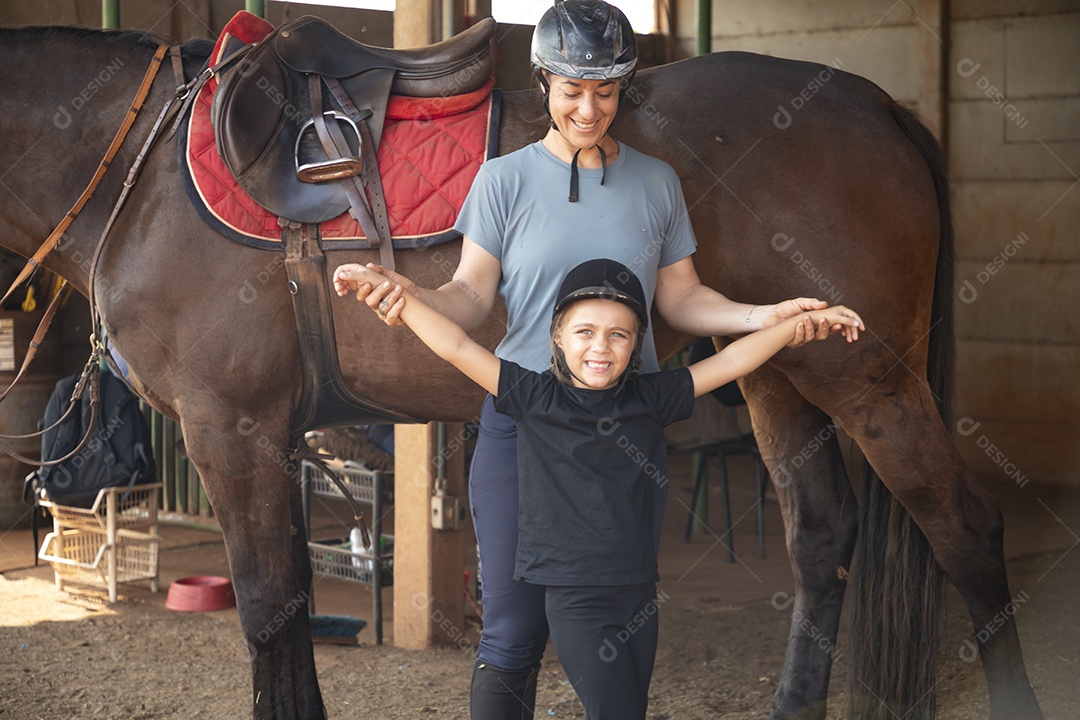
x=120 y=40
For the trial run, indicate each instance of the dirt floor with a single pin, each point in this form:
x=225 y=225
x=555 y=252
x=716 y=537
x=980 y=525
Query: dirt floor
x=723 y=631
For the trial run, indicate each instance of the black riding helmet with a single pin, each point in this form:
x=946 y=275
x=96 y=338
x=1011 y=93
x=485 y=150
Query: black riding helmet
x=606 y=280
x=587 y=40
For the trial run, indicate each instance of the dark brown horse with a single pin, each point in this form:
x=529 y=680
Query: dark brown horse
x=841 y=196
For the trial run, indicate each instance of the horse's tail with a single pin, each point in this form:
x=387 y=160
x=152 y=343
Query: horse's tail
x=897 y=588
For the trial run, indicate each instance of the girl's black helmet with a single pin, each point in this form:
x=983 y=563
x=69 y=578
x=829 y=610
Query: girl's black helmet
x=607 y=280
x=585 y=39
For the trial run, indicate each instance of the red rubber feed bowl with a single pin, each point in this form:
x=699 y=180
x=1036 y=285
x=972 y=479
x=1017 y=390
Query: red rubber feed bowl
x=200 y=594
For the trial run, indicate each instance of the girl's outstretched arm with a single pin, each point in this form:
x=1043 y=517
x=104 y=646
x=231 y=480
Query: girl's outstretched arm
x=445 y=337
x=752 y=351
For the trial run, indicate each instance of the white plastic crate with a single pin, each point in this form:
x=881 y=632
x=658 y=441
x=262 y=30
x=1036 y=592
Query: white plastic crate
x=360 y=482
x=337 y=560
x=83 y=556
x=99 y=546
x=132 y=509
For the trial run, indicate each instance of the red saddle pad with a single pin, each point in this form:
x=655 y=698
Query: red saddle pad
x=430 y=152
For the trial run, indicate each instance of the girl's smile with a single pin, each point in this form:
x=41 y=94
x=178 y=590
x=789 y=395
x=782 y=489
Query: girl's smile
x=597 y=338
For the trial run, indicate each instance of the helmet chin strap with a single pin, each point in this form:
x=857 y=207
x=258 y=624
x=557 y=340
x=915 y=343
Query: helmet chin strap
x=573 y=162
x=574 y=172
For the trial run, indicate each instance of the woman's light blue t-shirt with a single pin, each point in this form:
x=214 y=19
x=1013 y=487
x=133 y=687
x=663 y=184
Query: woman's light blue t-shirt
x=518 y=211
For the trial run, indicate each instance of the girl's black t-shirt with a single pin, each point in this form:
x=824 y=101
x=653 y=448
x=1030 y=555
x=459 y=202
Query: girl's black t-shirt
x=586 y=473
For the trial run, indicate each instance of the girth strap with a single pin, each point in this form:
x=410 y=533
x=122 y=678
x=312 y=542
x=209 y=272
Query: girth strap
x=325 y=400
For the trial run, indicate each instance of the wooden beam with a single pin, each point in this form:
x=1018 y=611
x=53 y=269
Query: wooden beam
x=416 y=22
x=933 y=88
x=429 y=598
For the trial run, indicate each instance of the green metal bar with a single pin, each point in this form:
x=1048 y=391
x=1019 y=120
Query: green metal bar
x=204 y=502
x=193 y=487
x=110 y=14
x=704 y=27
x=701 y=509
x=256 y=7
x=168 y=474
x=174 y=468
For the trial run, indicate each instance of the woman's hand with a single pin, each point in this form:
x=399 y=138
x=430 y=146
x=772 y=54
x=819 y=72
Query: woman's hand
x=814 y=325
x=376 y=286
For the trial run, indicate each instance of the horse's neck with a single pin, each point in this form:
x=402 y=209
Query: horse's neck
x=65 y=96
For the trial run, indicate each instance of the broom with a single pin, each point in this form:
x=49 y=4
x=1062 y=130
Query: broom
x=336 y=629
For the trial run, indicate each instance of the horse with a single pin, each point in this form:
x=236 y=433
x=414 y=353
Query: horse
x=800 y=179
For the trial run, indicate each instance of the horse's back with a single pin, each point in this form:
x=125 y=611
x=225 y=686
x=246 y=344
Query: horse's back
x=799 y=181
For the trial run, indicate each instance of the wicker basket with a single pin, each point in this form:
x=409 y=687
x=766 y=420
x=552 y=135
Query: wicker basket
x=82 y=556
x=133 y=508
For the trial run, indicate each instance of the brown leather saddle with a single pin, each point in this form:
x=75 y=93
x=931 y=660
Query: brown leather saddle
x=308 y=156
x=271 y=114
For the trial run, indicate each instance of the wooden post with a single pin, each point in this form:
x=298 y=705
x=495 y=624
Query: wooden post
x=428 y=563
x=416 y=22
x=429 y=602
x=933 y=67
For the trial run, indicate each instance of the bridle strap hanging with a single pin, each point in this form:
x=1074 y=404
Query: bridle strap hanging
x=90 y=374
x=51 y=242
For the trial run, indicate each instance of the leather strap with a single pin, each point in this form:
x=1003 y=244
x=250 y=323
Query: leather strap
x=325 y=398
x=114 y=147
x=91 y=375
x=171 y=110
x=374 y=221
x=371 y=177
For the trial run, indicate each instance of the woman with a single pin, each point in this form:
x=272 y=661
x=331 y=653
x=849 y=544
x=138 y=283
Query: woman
x=530 y=217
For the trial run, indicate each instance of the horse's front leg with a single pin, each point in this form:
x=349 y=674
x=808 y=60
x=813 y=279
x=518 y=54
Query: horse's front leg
x=251 y=482
x=820 y=523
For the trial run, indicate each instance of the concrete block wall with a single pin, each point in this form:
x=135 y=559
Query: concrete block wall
x=1014 y=153
x=1003 y=76
x=870 y=39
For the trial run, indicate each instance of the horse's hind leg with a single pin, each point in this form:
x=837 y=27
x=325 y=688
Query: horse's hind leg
x=799 y=446
x=250 y=480
x=899 y=429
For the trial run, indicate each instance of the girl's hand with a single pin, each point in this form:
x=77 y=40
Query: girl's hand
x=807 y=330
x=379 y=288
x=837 y=318
x=350 y=278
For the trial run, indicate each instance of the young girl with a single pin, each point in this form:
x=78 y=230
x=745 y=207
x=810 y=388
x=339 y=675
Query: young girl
x=587 y=430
